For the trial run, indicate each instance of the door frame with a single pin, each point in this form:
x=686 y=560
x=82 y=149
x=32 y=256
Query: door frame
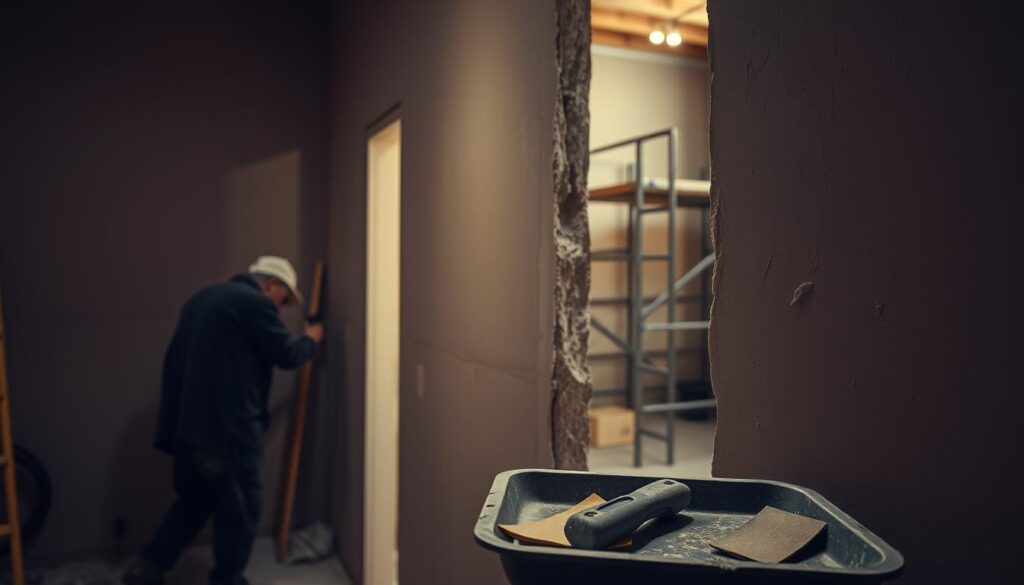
x=373 y=573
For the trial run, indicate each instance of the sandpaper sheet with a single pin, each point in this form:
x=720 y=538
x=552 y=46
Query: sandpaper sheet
x=772 y=536
x=551 y=530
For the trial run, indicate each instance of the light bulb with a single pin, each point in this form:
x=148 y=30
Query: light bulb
x=657 y=37
x=674 y=39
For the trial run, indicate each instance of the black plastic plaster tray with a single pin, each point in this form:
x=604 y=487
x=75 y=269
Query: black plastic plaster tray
x=675 y=551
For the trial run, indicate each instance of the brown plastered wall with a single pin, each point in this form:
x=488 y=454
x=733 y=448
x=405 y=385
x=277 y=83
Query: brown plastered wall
x=872 y=149
x=146 y=150
x=475 y=82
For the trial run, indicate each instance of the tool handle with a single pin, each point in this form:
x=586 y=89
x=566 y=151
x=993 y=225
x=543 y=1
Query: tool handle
x=604 y=524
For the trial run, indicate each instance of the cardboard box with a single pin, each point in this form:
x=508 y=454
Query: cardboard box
x=611 y=426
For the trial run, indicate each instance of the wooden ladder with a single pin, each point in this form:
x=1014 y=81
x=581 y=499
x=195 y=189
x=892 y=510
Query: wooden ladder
x=12 y=528
x=295 y=451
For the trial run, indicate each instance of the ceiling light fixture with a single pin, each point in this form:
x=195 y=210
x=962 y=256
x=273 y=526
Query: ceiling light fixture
x=657 y=36
x=674 y=39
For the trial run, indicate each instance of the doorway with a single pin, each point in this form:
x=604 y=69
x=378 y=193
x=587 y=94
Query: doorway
x=653 y=410
x=383 y=239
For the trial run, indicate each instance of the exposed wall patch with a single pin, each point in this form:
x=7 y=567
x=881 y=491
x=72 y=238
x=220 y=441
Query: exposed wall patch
x=801 y=291
x=570 y=379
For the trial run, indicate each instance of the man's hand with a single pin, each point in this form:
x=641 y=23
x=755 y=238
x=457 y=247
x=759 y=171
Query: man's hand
x=314 y=331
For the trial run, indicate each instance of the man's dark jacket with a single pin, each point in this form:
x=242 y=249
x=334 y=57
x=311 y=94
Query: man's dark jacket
x=217 y=371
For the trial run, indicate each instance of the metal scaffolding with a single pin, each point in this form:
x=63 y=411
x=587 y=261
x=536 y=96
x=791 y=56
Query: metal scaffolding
x=640 y=306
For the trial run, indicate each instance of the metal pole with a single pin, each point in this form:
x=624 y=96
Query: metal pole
x=603 y=329
x=692 y=273
x=628 y=141
x=677 y=326
x=670 y=394
x=637 y=331
x=630 y=296
x=683 y=406
x=705 y=290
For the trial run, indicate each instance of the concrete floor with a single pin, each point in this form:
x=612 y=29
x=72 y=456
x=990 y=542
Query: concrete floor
x=193 y=567
x=694 y=446
x=694 y=441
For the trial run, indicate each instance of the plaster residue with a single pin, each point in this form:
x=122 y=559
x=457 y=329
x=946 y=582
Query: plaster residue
x=715 y=220
x=571 y=383
x=801 y=291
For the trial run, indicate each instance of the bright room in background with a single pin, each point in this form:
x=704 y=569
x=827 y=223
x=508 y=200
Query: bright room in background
x=650 y=83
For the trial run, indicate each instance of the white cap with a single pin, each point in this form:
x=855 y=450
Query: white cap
x=279 y=268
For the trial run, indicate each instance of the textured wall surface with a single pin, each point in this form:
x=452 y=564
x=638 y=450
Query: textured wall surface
x=145 y=151
x=872 y=149
x=474 y=84
x=570 y=384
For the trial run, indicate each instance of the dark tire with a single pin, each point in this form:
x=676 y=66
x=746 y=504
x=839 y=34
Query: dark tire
x=35 y=495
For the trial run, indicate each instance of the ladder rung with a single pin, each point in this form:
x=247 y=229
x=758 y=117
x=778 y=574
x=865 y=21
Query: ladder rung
x=625 y=300
x=680 y=406
x=3 y=460
x=618 y=355
x=615 y=256
x=6 y=530
x=677 y=326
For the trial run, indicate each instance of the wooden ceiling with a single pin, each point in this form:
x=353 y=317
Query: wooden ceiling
x=627 y=23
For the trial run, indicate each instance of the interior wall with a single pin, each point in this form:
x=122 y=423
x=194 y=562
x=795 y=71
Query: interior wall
x=861 y=147
x=147 y=150
x=635 y=93
x=474 y=83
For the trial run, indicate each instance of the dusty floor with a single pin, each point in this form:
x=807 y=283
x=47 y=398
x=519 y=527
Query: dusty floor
x=694 y=446
x=193 y=567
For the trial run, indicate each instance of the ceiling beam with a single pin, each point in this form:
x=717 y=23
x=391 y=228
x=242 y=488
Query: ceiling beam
x=634 y=24
x=657 y=8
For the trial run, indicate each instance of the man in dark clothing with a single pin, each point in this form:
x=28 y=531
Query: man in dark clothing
x=213 y=414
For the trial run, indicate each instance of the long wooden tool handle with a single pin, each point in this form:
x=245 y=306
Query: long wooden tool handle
x=13 y=527
x=295 y=451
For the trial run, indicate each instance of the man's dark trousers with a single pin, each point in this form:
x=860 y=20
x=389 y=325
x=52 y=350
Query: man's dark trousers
x=224 y=484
